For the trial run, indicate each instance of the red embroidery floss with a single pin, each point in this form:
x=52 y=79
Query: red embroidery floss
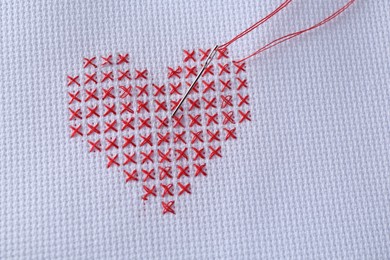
x=221 y=49
x=122 y=114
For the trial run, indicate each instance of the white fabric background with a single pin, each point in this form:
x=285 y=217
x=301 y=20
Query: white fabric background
x=309 y=178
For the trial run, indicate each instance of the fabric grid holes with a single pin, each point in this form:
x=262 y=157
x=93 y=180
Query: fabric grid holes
x=124 y=115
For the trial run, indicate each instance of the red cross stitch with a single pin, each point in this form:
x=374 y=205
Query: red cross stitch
x=149 y=192
x=128 y=141
x=141 y=74
x=73 y=80
x=95 y=146
x=90 y=78
x=165 y=172
x=124 y=74
x=123 y=58
x=107 y=60
x=189 y=55
x=89 y=62
x=167 y=190
x=129 y=158
x=92 y=111
x=131 y=176
x=184 y=188
x=107 y=76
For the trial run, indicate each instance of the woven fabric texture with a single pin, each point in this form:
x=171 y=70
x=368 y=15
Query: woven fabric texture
x=307 y=178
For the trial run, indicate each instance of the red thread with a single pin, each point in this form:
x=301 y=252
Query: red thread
x=240 y=67
x=181 y=154
x=222 y=53
x=90 y=78
x=214 y=136
x=184 y=188
x=167 y=190
x=178 y=121
x=212 y=118
x=175 y=88
x=245 y=116
x=160 y=90
x=191 y=71
x=126 y=108
x=123 y=58
x=126 y=91
x=147 y=157
x=215 y=152
x=129 y=123
x=74 y=97
x=204 y=54
x=73 y=80
x=210 y=103
x=76 y=130
x=107 y=60
x=200 y=169
x=107 y=93
x=199 y=153
x=223 y=69
x=124 y=75
x=165 y=172
x=149 y=192
x=95 y=146
x=107 y=76
x=110 y=109
x=194 y=103
x=164 y=157
x=141 y=74
x=196 y=136
x=89 y=62
x=92 y=111
x=168 y=207
x=242 y=83
x=286 y=37
x=142 y=106
x=75 y=114
x=111 y=143
x=129 y=158
x=110 y=126
x=163 y=122
x=174 y=72
x=183 y=171
x=208 y=86
x=189 y=55
x=180 y=137
x=195 y=120
x=162 y=138
x=143 y=90
x=228 y=117
x=244 y=100
x=230 y=133
x=149 y=175
x=112 y=161
x=131 y=176
x=128 y=141
x=91 y=94
x=146 y=139
x=226 y=85
x=93 y=129
x=144 y=122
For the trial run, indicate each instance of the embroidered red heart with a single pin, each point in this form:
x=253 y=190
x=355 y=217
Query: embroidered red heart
x=122 y=114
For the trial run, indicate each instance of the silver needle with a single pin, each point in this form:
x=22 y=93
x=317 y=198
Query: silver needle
x=207 y=63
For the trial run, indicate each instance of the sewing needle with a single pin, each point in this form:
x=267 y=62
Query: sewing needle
x=207 y=63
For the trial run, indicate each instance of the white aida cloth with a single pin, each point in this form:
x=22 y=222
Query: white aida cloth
x=308 y=178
